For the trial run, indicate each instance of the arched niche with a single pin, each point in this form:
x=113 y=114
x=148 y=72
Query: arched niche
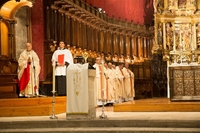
x=8 y=12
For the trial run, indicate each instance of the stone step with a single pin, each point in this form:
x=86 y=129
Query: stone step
x=103 y=130
x=109 y=123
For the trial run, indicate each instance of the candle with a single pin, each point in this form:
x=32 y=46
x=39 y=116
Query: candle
x=102 y=76
x=53 y=84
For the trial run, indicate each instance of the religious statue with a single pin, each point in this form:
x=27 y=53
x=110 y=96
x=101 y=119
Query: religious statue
x=160 y=37
x=186 y=36
x=158 y=5
x=169 y=35
x=155 y=48
x=191 y=3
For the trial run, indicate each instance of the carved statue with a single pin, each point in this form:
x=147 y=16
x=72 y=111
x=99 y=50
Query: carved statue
x=158 y=5
x=186 y=36
x=169 y=35
x=160 y=37
x=191 y=3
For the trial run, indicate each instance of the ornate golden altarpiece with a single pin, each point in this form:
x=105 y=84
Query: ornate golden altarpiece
x=177 y=36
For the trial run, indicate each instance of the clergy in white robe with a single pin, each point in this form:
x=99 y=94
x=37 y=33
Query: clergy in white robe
x=62 y=58
x=115 y=83
x=128 y=83
x=28 y=72
x=100 y=81
x=120 y=90
x=110 y=84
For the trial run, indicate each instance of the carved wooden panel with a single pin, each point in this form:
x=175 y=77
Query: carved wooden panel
x=184 y=83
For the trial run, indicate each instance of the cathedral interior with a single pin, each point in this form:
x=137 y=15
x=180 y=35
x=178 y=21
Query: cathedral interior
x=159 y=39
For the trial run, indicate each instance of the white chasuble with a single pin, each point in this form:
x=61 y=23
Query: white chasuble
x=77 y=92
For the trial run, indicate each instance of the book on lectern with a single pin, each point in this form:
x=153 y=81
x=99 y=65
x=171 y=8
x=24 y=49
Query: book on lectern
x=61 y=58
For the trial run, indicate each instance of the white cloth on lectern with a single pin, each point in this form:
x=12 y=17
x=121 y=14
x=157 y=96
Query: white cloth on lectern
x=77 y=89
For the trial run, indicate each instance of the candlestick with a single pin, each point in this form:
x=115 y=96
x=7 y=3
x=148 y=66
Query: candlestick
x=53 y=91
x=53 y=83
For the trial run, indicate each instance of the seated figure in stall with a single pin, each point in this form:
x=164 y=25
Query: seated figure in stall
x=121 y=58
x=108 y=57
x=128 y=59
x=79 y=52
x=68 y=47
x=115 y=58
x=73 y=51
x=102 y=57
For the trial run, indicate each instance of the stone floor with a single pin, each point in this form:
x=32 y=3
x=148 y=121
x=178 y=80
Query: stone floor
x=119 y=115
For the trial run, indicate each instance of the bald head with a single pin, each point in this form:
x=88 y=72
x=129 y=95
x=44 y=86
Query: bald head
x=28 y=46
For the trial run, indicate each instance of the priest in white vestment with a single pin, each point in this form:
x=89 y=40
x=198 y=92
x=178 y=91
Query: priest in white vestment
x=110 y=84
x=28 y=72
x=100 y=85
x=120 y=76
x=115 y=83
x=128 y=83
x=62 y=58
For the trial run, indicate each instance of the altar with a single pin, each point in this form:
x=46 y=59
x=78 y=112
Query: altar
x=177 y=37
x=184 y=83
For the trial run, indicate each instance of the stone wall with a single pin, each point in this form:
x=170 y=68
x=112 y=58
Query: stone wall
x=20 y=30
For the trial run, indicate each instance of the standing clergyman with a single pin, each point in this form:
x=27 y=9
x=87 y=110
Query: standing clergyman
x=28 y=72
x=62 y=58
